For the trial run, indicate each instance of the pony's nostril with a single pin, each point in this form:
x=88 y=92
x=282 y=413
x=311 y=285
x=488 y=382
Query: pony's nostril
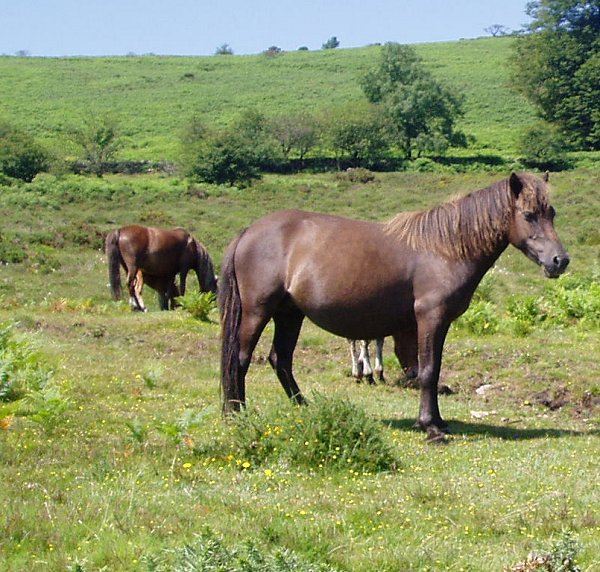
x=561 y=261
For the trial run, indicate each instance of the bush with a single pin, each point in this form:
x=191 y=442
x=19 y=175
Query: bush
x=357 y=133
x=231 y=156
x=542 y=147
x=11 y=250
x=20 y=156
x=329 y=433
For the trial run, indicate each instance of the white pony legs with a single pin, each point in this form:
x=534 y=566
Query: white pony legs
x=361 y=363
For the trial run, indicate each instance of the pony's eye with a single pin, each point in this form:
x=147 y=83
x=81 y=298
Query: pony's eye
x=530 y=217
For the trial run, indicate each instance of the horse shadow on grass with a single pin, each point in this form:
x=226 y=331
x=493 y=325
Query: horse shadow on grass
x=496 y=431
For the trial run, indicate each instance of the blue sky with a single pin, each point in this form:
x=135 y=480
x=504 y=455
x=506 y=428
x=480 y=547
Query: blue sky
x=198 y=27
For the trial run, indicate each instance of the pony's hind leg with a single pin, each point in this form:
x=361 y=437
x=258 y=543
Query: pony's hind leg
x=135 y=283
x=379 y=359
x=356 y=365
x=287 y=329
x=250 y=329
x=364 y=359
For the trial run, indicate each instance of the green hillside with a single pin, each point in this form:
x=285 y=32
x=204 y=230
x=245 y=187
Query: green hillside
x=153 y=97
x=113 y=452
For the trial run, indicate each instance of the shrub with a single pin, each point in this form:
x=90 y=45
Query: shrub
x=11 y=250
x=330 y=433
x=357 y=133
x=20 y=156
x=542 y=147
x=224 y=159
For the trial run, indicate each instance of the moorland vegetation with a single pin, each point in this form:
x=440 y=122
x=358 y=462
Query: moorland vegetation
x=113 y=452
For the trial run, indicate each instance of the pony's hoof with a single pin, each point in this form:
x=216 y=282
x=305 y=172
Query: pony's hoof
x=436 y=437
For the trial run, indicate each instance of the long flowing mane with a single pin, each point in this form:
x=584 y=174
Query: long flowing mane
x=470 y=225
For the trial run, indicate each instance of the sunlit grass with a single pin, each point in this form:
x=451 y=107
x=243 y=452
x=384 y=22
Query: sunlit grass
x=141 y=461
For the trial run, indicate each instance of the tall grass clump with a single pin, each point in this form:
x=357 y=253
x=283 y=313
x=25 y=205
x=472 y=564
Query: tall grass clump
x=208 y=552
x=331 y=433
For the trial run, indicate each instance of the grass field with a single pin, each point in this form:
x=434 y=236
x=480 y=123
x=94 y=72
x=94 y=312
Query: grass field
x=124 y=459
x=152 y=98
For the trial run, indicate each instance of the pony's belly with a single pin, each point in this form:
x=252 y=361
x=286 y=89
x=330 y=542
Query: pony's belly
x=363 y=322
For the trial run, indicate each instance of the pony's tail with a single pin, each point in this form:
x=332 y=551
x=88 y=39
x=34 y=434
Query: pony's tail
x=114 y=259
x=230 y=308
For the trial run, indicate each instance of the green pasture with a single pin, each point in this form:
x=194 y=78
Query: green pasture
x=122 y=462
x=153 y=98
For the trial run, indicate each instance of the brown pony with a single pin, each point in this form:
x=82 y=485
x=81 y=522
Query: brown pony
x=155 y=257
x=409 y=278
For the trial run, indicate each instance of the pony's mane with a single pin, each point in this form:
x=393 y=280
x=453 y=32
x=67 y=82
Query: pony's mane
x=204 y=262
x=473 y=224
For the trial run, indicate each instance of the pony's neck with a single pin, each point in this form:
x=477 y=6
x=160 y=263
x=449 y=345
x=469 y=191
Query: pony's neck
x=471 y=228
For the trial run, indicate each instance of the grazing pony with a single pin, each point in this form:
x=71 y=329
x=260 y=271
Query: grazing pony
x=409 y=278
x=155 y=256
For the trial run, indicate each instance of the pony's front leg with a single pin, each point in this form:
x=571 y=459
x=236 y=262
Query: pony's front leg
x=135 y=283
x=431 y=336
x=182 y=281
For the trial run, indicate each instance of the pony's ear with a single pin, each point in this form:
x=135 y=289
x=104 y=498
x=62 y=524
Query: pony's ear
x=516 y=185
x=546 y=176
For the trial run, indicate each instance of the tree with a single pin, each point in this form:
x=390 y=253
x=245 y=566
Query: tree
x=357 y=133
x=496 y=30
x=294 y=133
x=20 y=156
x=224 y=50
x=421 y=112
x=331 y=44
x=99 y=140
x=232 y=156
x=557 y=67
x=272 y=51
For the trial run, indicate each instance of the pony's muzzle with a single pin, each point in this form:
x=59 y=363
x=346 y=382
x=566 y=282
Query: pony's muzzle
x=557 y=266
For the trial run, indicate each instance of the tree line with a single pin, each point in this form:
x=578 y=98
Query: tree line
x=405 y=113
